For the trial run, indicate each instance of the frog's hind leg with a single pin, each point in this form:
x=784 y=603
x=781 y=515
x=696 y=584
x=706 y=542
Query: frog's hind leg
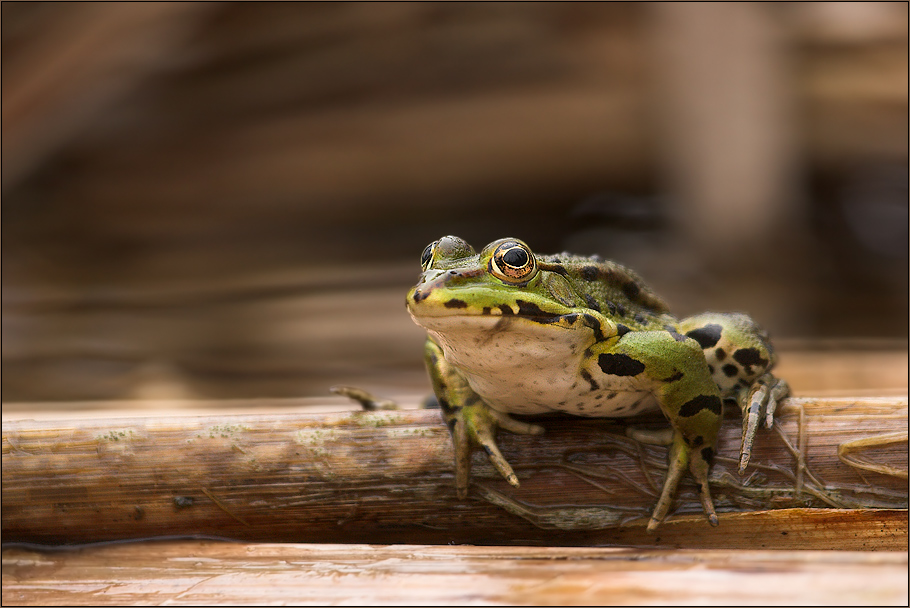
x=673 y=369
x=740 y=358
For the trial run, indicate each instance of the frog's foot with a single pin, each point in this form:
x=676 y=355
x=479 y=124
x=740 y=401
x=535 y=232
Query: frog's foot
x=476 y=424
x=758 y=403
x=681 y=458
x=367 y=401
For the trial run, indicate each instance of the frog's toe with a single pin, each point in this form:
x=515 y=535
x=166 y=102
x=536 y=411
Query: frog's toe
x=750 y=426
x=699 y=468
x=760 y=403
x=679 y=459
x=462 y=443
x=486 y=439
x=368 y=401
x=662 y=437
x=779 y=390
x=516 y=426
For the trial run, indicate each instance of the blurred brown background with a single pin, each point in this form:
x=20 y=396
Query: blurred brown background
x=230 y=200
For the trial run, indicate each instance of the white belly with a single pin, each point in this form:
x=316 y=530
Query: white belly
x=534 y=368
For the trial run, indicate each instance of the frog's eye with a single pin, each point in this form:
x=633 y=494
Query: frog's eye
x=513 y=262
x=427 y=256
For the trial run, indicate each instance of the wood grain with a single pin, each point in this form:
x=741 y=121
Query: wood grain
x=275 y=574
x=386 y=477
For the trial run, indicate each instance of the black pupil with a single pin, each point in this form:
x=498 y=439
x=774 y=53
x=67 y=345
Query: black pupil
x=426 y=255
x=515 y=257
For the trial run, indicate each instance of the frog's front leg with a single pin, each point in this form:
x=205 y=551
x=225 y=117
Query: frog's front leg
x=740 y=357
x=673 y=369
x=471 y=422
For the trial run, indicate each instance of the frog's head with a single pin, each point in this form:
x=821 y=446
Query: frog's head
x=506 y=279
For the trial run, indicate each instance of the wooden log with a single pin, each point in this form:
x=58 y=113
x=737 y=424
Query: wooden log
x=206 y=573
x=387 y=477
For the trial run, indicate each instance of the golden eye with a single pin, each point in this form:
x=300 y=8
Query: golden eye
x=513 y=262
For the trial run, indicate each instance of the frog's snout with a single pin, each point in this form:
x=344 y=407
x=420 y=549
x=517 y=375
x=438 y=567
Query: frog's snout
x=440 y=281
x=429 y=281
x=416 y=295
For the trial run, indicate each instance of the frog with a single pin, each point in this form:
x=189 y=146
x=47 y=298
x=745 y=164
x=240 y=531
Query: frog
x=511 y=332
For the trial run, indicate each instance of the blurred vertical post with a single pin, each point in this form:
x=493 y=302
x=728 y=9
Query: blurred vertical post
x=728 y=150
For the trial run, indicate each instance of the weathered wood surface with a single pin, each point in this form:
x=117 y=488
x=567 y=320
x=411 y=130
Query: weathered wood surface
x=386 y=477
x=273 y=574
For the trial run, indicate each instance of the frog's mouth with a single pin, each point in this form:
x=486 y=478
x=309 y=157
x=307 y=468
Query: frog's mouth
x=452 y=312
x=426 y=301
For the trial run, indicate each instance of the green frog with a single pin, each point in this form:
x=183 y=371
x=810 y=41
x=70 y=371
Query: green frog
x=514 y=332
